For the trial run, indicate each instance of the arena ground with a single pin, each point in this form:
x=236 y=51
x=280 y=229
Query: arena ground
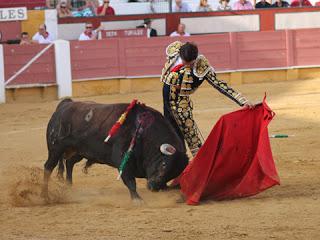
x=98 y=206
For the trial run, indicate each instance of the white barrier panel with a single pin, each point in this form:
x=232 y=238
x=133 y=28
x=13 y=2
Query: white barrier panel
x=297 y=20
x=222 y=24
x=70 y=31
x=2 y=85
x=63 y=68
x=51 y=21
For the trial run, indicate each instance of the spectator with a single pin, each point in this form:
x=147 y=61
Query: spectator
x=105 y=9
x=151 y=32
x=85 y=8
x=50 y=3
x=180 y=31
x=204 y=6
x=224 y=5
x=93 y=6
x=242 y=5
x=89 y=33
x=63 y=9
x=181 y=6
x=25 y=40
x=280 y=3
x=300 y=3
x=317 y=4
x=263 y=4
x=42 y=36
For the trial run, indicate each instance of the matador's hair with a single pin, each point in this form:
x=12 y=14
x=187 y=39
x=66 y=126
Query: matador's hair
x=189 y=51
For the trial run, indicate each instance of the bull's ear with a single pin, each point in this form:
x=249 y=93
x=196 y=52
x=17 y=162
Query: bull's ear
x=167 y=149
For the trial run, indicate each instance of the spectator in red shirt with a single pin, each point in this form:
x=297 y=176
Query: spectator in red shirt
x=105 y=9
x=300 y=3
x=317 y=4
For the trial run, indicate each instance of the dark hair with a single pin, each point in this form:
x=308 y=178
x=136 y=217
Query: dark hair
x=24 y=33
x=189 y=51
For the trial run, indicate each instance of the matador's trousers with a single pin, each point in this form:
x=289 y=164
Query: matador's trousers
x=178 y=110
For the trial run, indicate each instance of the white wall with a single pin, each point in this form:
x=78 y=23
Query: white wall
x=51 y=21
x=220 y=24
x=297 y=20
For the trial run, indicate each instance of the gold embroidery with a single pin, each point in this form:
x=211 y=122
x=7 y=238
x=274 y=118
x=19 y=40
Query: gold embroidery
x=173 y=48
x=201 y=67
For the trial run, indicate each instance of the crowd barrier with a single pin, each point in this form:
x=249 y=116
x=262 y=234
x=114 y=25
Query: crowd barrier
x=128 y=58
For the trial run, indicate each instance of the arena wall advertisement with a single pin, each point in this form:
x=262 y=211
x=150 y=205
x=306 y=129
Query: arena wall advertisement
x=13 y=14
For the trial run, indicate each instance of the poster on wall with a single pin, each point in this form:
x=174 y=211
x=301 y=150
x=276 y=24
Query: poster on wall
x=13 y=14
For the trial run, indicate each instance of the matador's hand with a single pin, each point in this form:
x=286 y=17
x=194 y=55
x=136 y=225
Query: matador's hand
x=249 y=105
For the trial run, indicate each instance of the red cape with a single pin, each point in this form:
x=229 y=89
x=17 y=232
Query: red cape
x=235 y=160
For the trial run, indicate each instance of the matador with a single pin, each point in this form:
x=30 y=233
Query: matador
x=184 y=71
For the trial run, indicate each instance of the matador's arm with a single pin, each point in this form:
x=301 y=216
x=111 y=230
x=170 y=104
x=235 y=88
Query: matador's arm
x=223 y=87
x=203 y=70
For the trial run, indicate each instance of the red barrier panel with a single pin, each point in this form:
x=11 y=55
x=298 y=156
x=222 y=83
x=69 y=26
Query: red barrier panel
x=95 y=59
x=144 y=56
x=10 y=30
x=261 y=49
x=120 y=57
x=136 y=56
x=307 y=47
x=42 y=71
x=30 y=4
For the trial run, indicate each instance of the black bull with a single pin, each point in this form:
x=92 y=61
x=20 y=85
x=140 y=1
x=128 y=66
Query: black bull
x=77 y=130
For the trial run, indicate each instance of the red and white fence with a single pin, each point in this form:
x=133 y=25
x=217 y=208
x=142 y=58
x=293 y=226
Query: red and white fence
x=144 y=57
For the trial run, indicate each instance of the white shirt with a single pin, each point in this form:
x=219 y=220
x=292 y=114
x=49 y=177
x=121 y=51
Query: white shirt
x=40 y=39
x=176 y=34
x=85 y=37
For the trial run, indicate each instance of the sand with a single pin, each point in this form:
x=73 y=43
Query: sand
x=99 y=207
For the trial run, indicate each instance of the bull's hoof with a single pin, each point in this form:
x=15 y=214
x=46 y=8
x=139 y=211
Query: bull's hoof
x=45 y=196
x=181 y=199
x=138 y=202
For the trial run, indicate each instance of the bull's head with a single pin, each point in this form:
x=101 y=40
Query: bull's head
x=169 y=164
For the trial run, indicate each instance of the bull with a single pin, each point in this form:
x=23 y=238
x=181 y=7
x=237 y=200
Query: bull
x=77 y=130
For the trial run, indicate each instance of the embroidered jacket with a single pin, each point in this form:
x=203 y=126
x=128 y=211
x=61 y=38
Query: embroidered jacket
x=190 y=79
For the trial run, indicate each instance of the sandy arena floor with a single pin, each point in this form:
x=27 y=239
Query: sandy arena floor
x=99 y=207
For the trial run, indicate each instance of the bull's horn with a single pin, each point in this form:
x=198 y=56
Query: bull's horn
x=167 y=149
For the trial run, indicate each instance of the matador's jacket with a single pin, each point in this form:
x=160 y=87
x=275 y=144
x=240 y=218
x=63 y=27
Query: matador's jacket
x=179 y=83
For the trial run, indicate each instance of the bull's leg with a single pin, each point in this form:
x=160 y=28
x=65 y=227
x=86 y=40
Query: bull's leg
x=51 y=163
x=60 y=169
x=70 y=164
x=130 y=182
x=89 y=163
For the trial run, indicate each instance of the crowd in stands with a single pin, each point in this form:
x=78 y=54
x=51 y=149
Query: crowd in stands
x=224 y=5
x=40 y=37
x=70 y=8
x=89 y=8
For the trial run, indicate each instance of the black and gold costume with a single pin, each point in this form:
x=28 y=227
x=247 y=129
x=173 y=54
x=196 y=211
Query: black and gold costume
x=179 y=84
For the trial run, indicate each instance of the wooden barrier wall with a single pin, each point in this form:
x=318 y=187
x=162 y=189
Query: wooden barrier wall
x=42 y=71
x=115 y=58
x=142 y=57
